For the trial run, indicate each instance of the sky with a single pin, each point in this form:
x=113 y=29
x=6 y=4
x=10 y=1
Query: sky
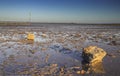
x=61 y=11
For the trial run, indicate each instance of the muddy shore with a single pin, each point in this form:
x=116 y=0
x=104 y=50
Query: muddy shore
x=58 y=51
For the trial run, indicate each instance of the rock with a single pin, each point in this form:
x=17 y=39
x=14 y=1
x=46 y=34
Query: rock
x=60 y=40
x=93 y=54
x=47 y=70
x=111 y=55
x=43 y=49
x=82 y=72
x=92 y=59
x=118 y=51
x=53 y=65
x=77 y=35
x=114 y=43
x=30 y=36
x=76 y=67
x=61 y=69
x=97 y=67
x=118 y=42
x=44 y=35
x=32 y=51
x=78 y=72
x=47 y=57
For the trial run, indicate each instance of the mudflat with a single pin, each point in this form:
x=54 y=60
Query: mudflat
x=57 y=49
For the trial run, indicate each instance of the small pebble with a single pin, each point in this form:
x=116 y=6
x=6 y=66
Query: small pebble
x=78 y=72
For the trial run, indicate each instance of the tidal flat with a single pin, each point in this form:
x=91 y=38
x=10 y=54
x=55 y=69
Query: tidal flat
x=57 y=49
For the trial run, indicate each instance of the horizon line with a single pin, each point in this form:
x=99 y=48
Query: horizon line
x=57 y=22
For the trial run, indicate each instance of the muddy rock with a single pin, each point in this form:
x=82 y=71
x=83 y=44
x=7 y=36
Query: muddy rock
x=118 y=51
x=44 y=35
x=93 y=54
x=32 y=51
x=49 y=70
x=111 y=55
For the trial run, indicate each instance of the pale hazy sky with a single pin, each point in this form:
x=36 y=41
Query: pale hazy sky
x=77 y=11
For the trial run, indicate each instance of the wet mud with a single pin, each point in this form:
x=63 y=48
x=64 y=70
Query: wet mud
x=57 y=52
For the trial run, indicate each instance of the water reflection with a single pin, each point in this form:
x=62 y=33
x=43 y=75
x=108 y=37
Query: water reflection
x=96 y=67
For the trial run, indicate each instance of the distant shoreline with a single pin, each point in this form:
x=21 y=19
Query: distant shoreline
x=29 y=23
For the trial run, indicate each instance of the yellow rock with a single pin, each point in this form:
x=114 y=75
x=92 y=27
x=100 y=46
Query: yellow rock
x=97 y=67
x=30 y=36
x=78 y=72
x=94 y=54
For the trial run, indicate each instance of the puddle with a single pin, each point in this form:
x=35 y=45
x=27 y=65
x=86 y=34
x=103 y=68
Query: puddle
x=20 y=57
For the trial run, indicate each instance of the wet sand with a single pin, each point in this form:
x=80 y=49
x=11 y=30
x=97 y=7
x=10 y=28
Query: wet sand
x=58 y=53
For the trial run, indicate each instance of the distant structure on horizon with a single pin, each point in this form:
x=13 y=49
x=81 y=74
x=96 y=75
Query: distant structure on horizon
x=29 y=18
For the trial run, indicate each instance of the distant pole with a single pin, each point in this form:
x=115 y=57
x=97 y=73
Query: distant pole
x=30 y=18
